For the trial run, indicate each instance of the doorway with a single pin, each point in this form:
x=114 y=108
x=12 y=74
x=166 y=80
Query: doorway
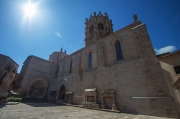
x=62 y=93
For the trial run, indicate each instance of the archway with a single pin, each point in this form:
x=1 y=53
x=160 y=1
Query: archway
x=37 y=89
x=62 y=93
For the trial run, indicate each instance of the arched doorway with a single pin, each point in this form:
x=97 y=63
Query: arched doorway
x=62 y=93
x=37 y=89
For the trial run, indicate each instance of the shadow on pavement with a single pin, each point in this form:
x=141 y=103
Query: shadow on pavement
x=2 y=105
x=42 y=104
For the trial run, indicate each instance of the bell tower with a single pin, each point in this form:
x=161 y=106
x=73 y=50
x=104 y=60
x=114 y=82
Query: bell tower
x=97 y=27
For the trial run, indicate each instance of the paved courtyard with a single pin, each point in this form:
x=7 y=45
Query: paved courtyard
x=54 y=111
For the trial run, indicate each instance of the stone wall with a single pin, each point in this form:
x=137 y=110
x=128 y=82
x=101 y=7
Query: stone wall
x=168 y=63
x=35 y=68
x=137 y=79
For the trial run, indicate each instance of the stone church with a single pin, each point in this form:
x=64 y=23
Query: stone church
x=115 y=70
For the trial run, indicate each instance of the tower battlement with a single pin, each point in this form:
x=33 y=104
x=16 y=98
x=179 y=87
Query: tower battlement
x=97 y=27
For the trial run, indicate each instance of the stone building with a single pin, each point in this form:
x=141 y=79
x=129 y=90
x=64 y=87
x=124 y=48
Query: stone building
x=8 y=74
x=116 y=70
x=170 y=63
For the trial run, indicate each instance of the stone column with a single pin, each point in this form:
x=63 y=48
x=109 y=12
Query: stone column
x=114 y=107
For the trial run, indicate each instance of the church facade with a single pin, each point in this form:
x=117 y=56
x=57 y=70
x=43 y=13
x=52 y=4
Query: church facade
x=115 y=70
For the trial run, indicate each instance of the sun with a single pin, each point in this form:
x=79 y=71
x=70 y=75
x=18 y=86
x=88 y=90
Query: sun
x=30 y=9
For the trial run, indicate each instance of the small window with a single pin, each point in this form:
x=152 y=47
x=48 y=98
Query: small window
x=98 y=25
x=90 y=60
x=102 y=26
x=177 y=69
x=118 y=50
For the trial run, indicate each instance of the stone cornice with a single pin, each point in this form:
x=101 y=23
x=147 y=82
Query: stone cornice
x=167 y=55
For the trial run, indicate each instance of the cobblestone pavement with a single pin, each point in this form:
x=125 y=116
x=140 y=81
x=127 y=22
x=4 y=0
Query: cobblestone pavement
x=54 y=111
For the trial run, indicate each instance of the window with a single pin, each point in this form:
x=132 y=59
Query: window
x=102 y=27
x=90 y=60
x=118 y=51
x=91 y=28
x=177 y=69
x=70 y=71
x=98 y=25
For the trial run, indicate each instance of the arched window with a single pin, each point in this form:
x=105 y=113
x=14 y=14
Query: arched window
x=90 y=60
x=118 y=51
x=70 y=71
x=99 y=26
x=102 y=27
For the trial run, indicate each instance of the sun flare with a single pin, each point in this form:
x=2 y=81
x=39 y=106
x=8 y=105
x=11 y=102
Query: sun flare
x=30 y=10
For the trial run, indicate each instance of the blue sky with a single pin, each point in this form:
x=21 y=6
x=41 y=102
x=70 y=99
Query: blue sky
x=60 y=23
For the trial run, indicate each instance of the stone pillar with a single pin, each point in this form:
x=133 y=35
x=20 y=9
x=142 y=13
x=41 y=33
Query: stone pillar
x=103 y=106
x=114 y=107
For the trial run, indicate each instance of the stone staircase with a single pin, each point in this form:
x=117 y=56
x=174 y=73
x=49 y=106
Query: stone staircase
x=90 y=105
x=61 y=102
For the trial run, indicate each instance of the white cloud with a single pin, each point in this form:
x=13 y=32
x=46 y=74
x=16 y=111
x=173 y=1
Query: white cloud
x=165 y=49
x=58 y=34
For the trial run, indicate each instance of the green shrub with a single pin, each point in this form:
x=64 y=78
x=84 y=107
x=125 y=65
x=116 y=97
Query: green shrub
x=14 y=99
